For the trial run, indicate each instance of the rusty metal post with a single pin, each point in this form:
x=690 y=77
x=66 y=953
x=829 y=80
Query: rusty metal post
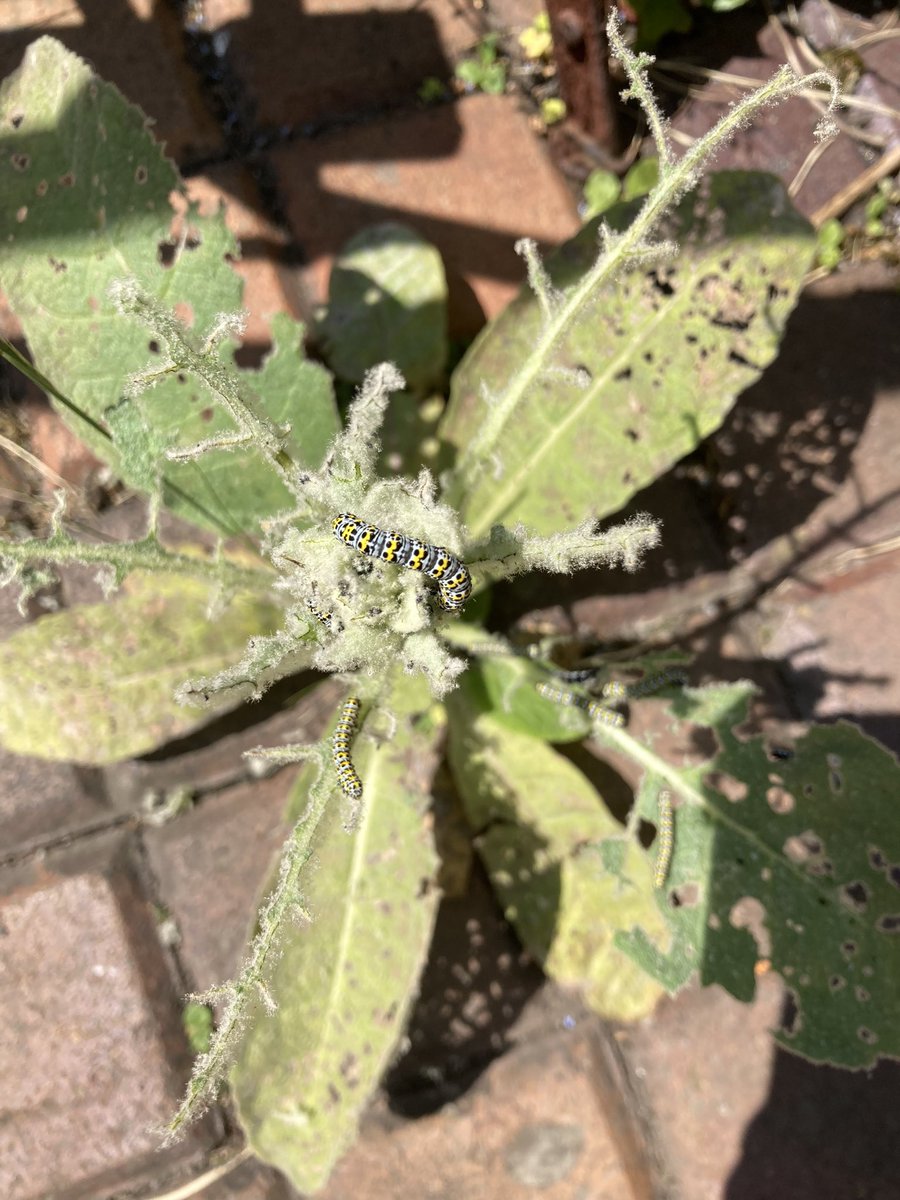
x=579 y=43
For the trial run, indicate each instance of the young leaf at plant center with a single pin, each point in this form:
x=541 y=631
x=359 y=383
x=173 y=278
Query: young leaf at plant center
x=662 y=355
x=87 y=202
x=344 y=983
x=506 y=687
x=95 y=684
x=787 y=861
x=387 y=301
x=546 y=840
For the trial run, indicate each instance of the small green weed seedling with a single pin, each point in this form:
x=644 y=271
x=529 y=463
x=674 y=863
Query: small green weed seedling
x=627 y=347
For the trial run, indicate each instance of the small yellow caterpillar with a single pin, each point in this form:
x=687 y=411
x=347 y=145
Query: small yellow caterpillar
x=655 y=682
x=597 y=712
x=351 y=784
x=665 y=839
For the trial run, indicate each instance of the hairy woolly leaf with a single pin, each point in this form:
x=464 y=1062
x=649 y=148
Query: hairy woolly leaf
x=96 y=684
x=345 y=982
x=787 y=862
x=387 y=301
x=87 y=201
x=664 y=353
x=563 y=867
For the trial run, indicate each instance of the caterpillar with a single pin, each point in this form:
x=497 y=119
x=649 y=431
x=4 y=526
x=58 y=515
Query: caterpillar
x=665 y=838
x=452 y=577
x=324 y=617
x=654 y=683
x=351 y=784
x=597 y=712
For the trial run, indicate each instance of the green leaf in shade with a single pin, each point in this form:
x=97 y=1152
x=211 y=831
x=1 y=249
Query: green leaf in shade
x=387 y=301
x=782 y=863
x=87 y=201
x=345 y=982
x=667 y=351
x=601 y=190
x=95 y=684
x=547 y=844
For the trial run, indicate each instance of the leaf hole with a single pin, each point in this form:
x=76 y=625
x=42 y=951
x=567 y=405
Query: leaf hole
x=849 y=949
x=141 y=174
x=779 y=753
x=16 y=118
x=836 y=983
x=877 y=860
x=856 y=896
x=57 y=266
x=867 y=1035
x=889 y=923
x=20 y=162
x=67 y=180
x=780 y=800
x=632 y=435
x=861 y=994
x=625 y=373
x=893 y=876
x=153 y=346
x=749 y=913
x=791 y=1021
x=165 y=253
x=42 y=188
x=802 y=847
x=686 y=895
x=726 y=785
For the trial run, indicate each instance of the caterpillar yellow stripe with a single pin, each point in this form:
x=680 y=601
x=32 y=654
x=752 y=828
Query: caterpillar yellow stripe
x=665 y=839
x=350 y=782
x=452 y=577
x=597 y=712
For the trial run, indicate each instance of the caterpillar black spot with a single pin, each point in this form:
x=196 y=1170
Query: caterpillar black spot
x=351 y=784
x=324 y=617
x=656 y=682
x=452 y=577
x=665 y=839
x=597 y=712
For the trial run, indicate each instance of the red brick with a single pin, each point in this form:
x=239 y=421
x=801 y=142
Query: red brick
x=532 y=1124
x=326 y=58
x=92 y=1057
x=470 y=178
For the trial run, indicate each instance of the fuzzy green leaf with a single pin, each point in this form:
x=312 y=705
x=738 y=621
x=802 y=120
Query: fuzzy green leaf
x=95 y=684
x=387 y=303
x=560 y=862
x=667 y=352
x=789 y=863
x=344 y=983
x=86 y=201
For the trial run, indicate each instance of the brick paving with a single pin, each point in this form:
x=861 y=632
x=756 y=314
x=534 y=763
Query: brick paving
x=92 y=1056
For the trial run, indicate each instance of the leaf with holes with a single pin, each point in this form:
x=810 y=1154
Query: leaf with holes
x=95 y=684
x=344 y=983
x=663 y=353
x=568 y=876
x=87 y=201
x=788 y=862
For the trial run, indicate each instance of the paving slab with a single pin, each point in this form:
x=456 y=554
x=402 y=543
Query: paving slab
x=92 y=1057
x=135 y=44
x=780 y=138
x=470 y=177
x=532 y=1125
x=211 y=868
x=324 y=59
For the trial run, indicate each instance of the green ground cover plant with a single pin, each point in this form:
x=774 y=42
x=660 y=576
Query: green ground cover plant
x=627 y=347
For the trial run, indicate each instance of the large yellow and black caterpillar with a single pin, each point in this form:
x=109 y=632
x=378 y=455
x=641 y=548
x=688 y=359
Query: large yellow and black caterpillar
x=452 y=577
x=351 y=784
